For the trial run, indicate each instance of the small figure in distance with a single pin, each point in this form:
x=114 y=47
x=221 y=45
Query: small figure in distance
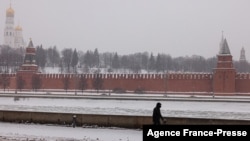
x=157 y=115
x=74 y=121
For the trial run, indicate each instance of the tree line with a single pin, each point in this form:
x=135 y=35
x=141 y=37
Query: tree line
x=71 y=60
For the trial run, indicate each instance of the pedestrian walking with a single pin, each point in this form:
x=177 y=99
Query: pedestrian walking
x=157 y=117
x=74 y=121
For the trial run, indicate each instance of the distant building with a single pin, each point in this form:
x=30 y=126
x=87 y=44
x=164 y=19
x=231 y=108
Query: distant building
x=13 y=36
x=242 y=65
x=242 y=55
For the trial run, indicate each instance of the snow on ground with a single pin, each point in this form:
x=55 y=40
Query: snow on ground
x=33 y=132
x=199 y=109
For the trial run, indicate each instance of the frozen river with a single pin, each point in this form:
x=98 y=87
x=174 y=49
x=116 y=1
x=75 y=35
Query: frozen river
x=201 y=109
x=172 y=108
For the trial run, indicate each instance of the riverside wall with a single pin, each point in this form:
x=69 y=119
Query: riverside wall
x=123 y=121
x=171 y=82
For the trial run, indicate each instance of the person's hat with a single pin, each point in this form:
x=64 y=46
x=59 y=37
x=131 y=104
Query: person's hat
x=158 y=104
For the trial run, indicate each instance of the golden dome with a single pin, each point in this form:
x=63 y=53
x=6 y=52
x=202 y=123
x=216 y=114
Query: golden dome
x=10 y=12
x=19 y=28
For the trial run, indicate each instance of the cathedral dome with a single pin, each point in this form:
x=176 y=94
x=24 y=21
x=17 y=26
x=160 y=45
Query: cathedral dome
x=18 y=28
x=10 y=12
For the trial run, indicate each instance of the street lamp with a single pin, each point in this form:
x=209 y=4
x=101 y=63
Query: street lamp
x=75 y=83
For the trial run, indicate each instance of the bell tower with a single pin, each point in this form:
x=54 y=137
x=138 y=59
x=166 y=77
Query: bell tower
x=224 y=73
x=9 y=32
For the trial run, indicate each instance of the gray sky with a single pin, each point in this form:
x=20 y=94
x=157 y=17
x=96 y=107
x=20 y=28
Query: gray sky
x=175 y=27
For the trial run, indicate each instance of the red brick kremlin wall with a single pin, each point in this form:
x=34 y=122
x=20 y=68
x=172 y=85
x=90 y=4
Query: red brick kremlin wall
x=242 y=83
x=132 y=82
x=174 y=82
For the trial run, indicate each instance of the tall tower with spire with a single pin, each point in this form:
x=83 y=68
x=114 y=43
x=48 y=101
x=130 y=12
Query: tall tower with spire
x=242 y=55
x=29 y=63
x=243 y=64
x=224 y=73
x=13 y=37
x=9 y=31
x=29 y=69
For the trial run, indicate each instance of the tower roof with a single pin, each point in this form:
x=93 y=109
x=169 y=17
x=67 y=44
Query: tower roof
x=242 y=54
x=18 y=28
x=10 y=12
x=30 y=44
x=224 y=49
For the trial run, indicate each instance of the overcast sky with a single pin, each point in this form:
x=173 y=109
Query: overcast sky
x=175 y=27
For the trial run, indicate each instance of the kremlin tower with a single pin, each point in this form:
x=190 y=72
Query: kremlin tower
x=243 y=65
x=29 y=63
x=26 y=75
x=224 y=73
x=242 y=55
x=13 y=37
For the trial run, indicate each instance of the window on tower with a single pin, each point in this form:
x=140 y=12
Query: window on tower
x=6 y=33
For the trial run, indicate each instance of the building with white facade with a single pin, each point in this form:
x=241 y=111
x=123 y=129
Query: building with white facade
x=13 y=36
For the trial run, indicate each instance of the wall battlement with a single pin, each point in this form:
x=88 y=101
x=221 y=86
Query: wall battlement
x=180 y=82
x=242 y=76
x=172 y=82
x=8 y=74
x=132 y=76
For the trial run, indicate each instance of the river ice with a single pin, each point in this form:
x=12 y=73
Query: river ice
x=170 y=108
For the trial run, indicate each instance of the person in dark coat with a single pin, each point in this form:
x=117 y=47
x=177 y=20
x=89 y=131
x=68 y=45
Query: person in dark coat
x=74 y=121
x=157 y=115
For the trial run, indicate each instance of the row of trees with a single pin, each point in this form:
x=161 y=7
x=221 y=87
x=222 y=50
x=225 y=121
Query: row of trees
x=144 y=62
x=10 y=59
x=73 y=61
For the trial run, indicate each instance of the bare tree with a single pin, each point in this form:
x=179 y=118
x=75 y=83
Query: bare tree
x=61 y=68
x=134 y=64
x=74 y=61
x=124 y=62
x=115 y=62
x=96 y=58
x=10 y=58
x=107 y=59
x=40 y=56
x=67 y=56
x=53 y=56
x=88 y=59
